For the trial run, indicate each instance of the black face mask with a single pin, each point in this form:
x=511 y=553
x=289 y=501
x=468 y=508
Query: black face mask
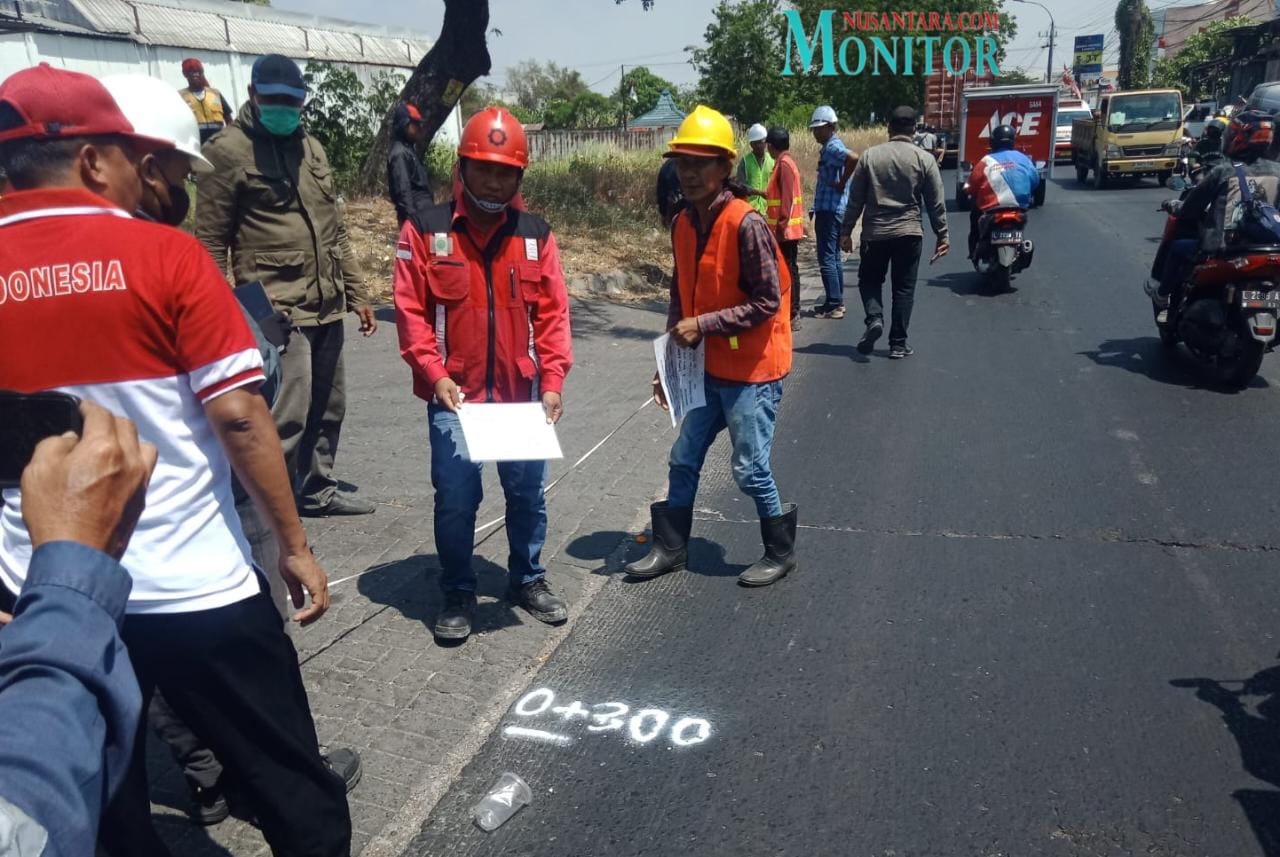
x=175 y=212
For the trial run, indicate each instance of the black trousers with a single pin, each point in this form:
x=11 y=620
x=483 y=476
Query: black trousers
x=232 y=675
x=791 y=255
x=902 y=255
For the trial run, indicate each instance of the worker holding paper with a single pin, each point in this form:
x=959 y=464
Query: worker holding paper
x=483 y=316
x=729 y=294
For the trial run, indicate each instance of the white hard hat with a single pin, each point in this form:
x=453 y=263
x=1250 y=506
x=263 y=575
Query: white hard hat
x=756 y=133
x=155 y=109
x=824 y=115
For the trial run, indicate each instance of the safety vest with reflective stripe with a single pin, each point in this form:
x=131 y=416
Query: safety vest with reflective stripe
x=757 y=177
x=208 y=110
x=793 y=209
x=711 y=283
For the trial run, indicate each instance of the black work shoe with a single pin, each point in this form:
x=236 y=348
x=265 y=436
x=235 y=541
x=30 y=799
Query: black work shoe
x=542 y=604
x=208 y=806
x=453 y=622
x=868 y=341
x=779 y=560
x=339 y=504
x=346 y=764
x=671 y=527
x=897 y=352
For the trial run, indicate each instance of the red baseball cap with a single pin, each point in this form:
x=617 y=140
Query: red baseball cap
x=192 y=64
x=53 y=103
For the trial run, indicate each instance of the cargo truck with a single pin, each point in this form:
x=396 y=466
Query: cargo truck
x=1030 y=109
x=943 y=96
x=1132 y=134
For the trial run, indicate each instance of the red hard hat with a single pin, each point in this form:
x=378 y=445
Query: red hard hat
x=495 y=135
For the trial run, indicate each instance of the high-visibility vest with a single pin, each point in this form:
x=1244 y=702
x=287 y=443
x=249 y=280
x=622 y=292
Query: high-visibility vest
x=711 y=283
x=208 y=110
x=757 y=175
x=793 y=209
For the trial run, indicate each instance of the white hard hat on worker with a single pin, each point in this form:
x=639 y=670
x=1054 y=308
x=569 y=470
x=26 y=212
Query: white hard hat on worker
x=156 y=110
x=756 y=133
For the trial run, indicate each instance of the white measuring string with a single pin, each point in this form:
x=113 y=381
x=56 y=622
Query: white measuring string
x=546 y=492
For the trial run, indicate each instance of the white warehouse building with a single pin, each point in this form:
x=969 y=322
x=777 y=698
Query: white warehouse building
x=102 y=37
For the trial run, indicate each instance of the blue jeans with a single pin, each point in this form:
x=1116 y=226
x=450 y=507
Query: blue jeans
x=456 y=479
x=749 y=411
x=827 y=226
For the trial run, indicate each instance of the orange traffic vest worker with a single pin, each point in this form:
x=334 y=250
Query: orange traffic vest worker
x=483 y=316
x=785 y=211
x=728 y=298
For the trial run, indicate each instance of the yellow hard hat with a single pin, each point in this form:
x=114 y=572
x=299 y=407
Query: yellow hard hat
x=705 y=133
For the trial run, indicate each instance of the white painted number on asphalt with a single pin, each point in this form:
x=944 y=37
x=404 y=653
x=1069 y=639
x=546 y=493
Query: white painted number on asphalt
x=644 y=727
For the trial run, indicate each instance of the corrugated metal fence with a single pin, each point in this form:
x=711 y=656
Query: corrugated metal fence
x=550 y=145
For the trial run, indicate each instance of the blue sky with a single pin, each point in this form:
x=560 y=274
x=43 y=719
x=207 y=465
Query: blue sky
x=596 y=36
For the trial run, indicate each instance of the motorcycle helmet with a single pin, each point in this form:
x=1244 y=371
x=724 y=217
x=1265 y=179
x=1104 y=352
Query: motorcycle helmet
x=1215 y=127
x=1250 y=134
x=1002 y=138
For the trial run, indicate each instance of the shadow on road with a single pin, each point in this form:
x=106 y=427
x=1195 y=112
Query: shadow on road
x=412 y=586
x=705 y=556
x=967 y=284
x=830 y=349
x=592 y=319
x=1256 y=728
x=1145 y=355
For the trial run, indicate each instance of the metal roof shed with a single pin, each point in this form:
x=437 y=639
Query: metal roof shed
x=665 y=114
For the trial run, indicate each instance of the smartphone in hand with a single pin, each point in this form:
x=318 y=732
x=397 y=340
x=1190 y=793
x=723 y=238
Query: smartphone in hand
x=25 y=420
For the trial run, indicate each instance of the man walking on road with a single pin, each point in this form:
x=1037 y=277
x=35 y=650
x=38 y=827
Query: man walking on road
x=147 y=327
x=785 y=211
x=271 y=201
x=891 y=180
x=728 y=294
x=830 y=197
x=483 y=316
x=407 y=181
x=756 y=167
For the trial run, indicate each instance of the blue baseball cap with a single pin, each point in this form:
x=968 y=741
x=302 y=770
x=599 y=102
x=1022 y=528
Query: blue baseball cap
x=278 y=75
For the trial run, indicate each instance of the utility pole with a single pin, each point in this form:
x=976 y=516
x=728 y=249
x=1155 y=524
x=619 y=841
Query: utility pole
x=622 y=93
x=1053 y=32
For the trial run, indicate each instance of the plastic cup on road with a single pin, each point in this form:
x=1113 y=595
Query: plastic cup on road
x=504 y=800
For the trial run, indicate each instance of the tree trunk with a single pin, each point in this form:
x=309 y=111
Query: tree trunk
x=458 y=57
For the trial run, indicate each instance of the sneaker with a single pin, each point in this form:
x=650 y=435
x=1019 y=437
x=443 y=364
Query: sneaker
x=897 y=352
x=208 y=806
x=795 y=325
x=339 y=504
x=868 y=341
x=453 y=622
x=833 y=312
x=541 y=603
x=346 y=764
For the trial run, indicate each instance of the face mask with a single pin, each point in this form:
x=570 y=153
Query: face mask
x=280 y=119
x=484 y=204
x=171 y=205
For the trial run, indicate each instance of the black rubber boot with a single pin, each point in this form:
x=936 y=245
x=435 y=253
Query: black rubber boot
x=779 y=536
x=671 y=527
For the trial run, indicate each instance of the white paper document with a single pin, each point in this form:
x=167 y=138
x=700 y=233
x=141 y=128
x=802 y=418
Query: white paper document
x=508 y=432
x=681 y=371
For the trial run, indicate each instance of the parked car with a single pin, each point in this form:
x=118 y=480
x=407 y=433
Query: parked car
x=1266 y=97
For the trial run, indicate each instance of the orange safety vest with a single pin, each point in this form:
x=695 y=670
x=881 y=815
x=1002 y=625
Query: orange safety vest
x=709 y=284
x=793 y=230
x=208 y=110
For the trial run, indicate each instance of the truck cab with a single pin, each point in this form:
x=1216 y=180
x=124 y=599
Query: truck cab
x=1132 y=134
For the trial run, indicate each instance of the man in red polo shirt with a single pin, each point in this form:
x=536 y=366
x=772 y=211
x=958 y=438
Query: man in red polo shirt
x=483 y=316
x=135 y=317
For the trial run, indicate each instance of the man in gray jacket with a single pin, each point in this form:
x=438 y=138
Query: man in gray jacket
x=886 y=192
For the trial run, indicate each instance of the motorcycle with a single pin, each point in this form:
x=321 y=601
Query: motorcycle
x=1226 y=311
x=1002 y=251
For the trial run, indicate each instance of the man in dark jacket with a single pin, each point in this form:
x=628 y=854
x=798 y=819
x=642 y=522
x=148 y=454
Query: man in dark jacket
x=406 y=177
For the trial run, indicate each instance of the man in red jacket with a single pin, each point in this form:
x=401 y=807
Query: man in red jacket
x=483 y=316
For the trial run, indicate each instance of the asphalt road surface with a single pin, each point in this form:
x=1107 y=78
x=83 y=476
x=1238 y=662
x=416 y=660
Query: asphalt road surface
x=1018 y=546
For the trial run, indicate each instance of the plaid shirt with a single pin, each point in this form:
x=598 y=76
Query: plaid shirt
x=830 y=168
x=759 y=279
